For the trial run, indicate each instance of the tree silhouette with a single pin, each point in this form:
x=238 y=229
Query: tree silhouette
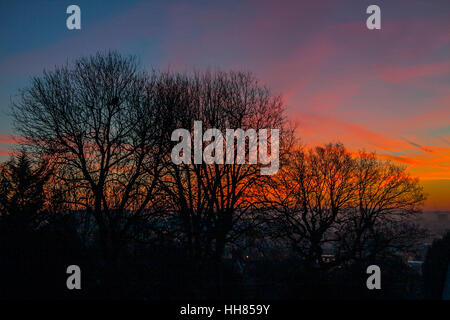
x=22 y=196
x=33 y=251
x=213 y=201
x=358 y=206
x=101 y=121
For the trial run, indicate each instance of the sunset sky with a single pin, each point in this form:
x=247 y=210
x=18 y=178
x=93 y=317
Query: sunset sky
x=382 y=90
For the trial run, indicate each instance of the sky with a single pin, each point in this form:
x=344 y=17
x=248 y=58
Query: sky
x=384 y=90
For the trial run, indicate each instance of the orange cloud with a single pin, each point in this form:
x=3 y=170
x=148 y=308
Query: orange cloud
x=327 y=128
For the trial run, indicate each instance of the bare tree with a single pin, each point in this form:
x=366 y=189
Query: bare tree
x=213 y=200
x=380 y=220
x=101 y=121
x=357 y=206
x=308 y=197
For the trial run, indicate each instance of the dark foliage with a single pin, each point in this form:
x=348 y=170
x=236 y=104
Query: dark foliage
x=435 y=267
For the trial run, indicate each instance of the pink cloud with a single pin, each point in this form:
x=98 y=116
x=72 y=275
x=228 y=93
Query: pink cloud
x=10 y=139
x=400 y=74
